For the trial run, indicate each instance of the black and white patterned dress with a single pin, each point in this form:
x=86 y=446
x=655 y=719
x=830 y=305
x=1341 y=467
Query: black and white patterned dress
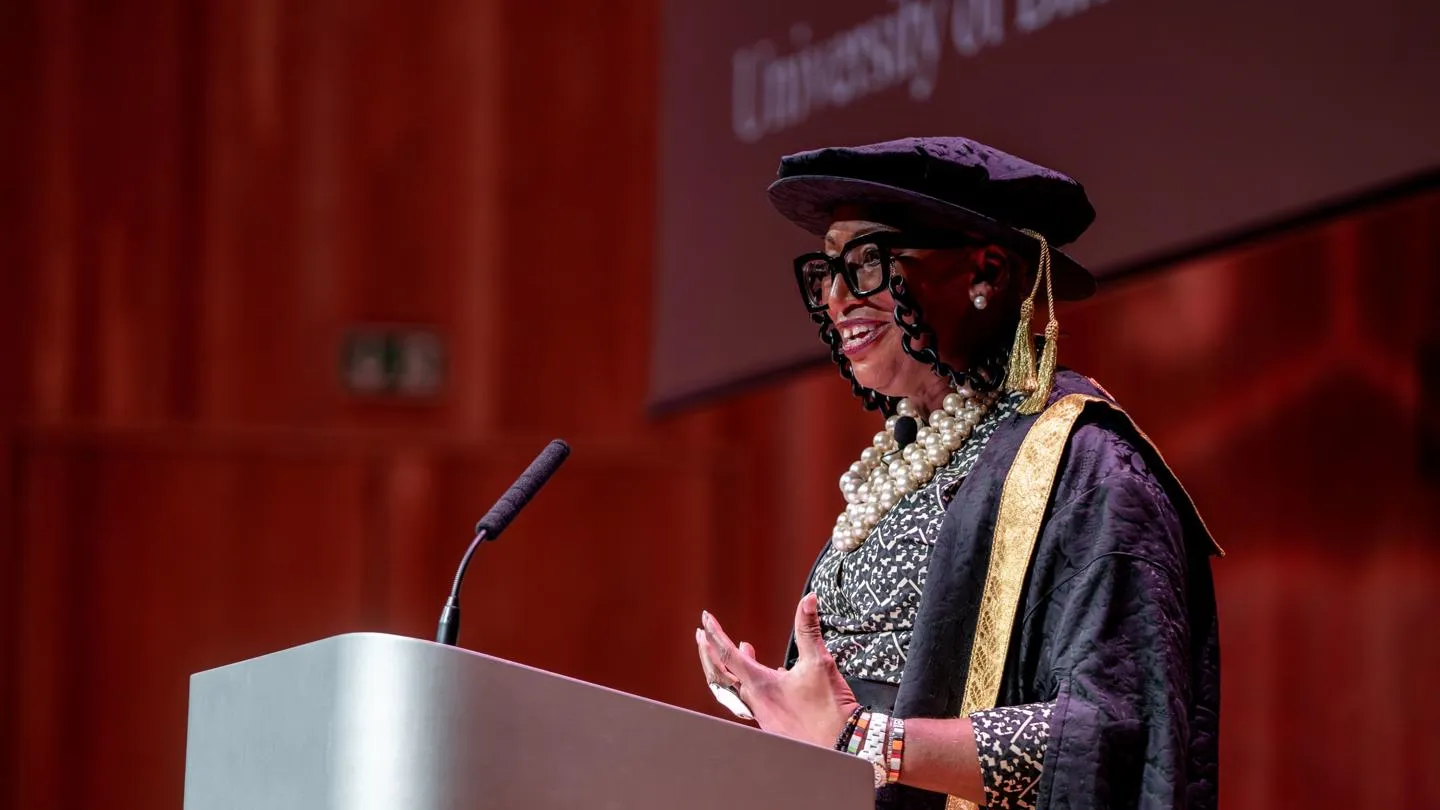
x=1011 y=742
x=869 y=597
x=868 y=601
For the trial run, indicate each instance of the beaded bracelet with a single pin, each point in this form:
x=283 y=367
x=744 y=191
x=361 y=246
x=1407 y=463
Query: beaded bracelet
x=873 y=747
x=877 y=738
x=862 y=730
x=895 y=750
x=843 y=740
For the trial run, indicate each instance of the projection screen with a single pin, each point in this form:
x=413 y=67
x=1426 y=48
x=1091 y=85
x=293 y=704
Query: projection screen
x=1189 y=123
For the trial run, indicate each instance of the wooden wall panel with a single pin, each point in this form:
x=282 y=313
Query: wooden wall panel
x=196 y=549
x=151 y=557
x=581 y=126
x=200 y=198
x=348 y=176
x=21 y=94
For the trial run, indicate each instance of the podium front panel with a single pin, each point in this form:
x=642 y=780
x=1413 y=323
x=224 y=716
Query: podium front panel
x=368 y=721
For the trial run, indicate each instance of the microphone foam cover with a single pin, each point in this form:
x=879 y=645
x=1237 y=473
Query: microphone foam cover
x=523 y=489
x=906 y=429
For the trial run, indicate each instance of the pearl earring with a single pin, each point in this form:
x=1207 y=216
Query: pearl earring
x=981 y=302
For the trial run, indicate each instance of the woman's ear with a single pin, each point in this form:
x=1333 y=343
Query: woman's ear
x=997 y=272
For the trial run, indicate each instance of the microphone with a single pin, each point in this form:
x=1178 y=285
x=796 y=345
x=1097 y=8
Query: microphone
x=906 y=429
x=494 y=522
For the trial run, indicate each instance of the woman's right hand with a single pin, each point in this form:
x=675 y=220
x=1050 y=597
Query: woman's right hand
x=809 y=702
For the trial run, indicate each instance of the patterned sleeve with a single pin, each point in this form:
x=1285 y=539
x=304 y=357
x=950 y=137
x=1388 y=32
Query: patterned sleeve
x=1011 y=741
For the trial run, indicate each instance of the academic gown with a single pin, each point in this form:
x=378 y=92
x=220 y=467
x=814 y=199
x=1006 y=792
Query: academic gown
x=1116 y=623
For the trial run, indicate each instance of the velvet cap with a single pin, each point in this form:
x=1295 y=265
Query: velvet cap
x=938 y=184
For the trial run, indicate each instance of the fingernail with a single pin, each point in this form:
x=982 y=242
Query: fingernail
x=705 y=618
x=699 y=635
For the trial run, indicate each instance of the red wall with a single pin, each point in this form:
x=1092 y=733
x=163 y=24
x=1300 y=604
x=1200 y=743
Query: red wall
x=198 y=199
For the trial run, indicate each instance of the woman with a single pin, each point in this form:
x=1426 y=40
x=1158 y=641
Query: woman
x=1015 y=608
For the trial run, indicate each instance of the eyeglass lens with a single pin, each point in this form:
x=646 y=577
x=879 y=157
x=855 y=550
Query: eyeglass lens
x=863 y=269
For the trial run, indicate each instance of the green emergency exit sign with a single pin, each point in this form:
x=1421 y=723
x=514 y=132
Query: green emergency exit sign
x=393 y=361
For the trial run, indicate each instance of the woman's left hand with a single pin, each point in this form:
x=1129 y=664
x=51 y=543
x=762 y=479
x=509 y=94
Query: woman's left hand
x=809 y=701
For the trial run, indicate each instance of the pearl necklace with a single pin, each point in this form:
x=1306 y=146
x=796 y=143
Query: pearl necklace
x=880 y=479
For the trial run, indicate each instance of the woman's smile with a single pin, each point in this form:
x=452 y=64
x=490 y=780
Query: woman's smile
x=857 y=335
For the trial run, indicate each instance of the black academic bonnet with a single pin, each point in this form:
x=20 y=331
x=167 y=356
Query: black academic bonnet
x=943 y=184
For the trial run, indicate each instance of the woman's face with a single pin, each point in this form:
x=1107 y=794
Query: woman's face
x=943 y=282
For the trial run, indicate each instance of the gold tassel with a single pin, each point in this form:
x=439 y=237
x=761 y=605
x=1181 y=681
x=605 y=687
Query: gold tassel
x=1021 y=378
x=1038 y=381
x=1045 y=377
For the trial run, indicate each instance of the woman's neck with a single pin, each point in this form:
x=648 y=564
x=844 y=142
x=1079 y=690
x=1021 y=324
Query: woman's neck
x=930 y=397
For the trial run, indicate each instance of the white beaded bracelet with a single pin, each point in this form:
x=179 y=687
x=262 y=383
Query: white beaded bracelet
x=872 y=750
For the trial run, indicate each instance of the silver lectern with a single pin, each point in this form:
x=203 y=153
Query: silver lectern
x=369 y=721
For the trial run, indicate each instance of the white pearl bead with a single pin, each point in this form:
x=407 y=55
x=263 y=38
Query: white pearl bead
x=873 y=487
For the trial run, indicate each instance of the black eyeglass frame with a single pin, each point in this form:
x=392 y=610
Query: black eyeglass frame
x=885 y=242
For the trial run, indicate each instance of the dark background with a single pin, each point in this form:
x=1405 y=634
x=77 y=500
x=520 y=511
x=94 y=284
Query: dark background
x=1189 y=123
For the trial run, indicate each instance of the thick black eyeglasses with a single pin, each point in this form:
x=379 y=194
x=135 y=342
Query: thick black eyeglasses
x=864 y=262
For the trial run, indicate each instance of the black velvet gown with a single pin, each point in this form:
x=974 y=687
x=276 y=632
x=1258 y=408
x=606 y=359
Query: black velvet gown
x=1116 y=625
